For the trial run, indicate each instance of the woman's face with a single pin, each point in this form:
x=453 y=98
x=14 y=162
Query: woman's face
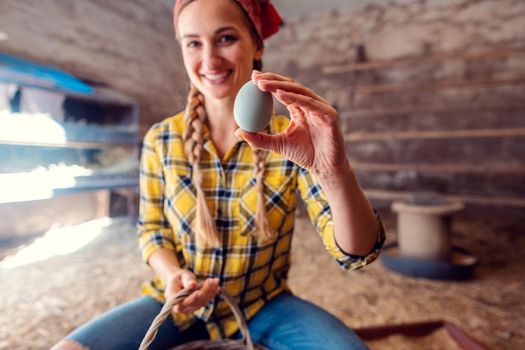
x=218 y=48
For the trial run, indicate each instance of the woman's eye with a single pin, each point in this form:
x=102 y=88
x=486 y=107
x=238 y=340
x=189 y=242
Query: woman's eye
x=227 y=39
x=192 y=44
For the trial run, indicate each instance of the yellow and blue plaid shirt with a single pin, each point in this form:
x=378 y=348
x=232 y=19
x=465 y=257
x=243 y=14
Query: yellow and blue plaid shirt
x=252 y=270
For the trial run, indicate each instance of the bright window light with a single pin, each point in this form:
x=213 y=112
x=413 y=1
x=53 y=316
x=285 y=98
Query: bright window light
x=57 y=241
x=39 y=183
x=34 y=128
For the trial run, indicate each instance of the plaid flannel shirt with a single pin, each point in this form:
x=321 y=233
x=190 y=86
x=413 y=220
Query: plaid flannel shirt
x=251 y=270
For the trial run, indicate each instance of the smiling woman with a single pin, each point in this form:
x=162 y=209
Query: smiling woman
x=218 y=53
x=217 y=203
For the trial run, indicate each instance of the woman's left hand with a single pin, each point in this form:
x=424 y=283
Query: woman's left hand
x=313 y=139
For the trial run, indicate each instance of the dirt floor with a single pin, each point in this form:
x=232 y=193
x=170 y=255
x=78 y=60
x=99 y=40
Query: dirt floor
x=43 y=301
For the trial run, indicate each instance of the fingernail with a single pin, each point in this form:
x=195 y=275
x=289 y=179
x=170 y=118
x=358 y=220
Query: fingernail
x=255 y=71
x=261 y=83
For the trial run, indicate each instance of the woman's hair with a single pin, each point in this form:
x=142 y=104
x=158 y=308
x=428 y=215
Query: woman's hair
x=195 y=118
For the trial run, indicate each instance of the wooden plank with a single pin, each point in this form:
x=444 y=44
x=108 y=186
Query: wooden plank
x=434 y=134
x=481 y=107
x=385 y=64
x=428 y=121
x=439 y=151
x=439 y=85
x=469 y=199
x=503 y=94
x=67 y=144
x=485 y=184
x=468 y=168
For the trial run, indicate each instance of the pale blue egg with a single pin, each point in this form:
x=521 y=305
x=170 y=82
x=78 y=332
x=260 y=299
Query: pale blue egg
x=252 y=108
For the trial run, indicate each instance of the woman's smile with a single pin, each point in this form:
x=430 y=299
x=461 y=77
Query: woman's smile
x=217 y=78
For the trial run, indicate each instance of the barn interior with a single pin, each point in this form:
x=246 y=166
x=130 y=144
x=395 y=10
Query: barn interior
x=431 y=103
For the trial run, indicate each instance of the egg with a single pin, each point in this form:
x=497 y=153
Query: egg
x=252 y=108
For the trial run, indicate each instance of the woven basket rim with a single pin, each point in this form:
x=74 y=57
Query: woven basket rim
x=245 y=342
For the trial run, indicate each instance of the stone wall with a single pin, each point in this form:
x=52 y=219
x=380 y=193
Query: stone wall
x=430 y=92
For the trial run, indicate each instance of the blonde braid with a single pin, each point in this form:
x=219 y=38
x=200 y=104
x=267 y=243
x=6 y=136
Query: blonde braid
x=264 y=230
x=195 y=117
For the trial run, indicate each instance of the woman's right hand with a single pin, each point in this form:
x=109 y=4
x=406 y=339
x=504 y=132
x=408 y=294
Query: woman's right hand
x=185 y=279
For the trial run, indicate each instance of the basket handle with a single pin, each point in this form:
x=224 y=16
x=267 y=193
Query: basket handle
x=170 y=303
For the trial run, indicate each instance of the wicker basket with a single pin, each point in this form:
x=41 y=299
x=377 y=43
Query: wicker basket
x=245 y=343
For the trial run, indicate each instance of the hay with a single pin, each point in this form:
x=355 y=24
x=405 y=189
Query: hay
x=42 y=302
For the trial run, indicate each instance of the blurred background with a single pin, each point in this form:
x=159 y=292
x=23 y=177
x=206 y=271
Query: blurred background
x=431 y=98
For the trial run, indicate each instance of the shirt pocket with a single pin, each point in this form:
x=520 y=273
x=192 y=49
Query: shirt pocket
x=276 y=199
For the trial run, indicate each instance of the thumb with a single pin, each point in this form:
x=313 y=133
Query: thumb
x=267 y=142
x=188 y=281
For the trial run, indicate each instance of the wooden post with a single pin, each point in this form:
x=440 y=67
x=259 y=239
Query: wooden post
x=101 y=203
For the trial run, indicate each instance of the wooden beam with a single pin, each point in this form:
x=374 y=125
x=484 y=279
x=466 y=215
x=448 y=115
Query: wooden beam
x=432 y=86
x=365 y=113
x=488 y=169
x=67 y=144
x=434 y=134
x=437 y=58
x=468 y=199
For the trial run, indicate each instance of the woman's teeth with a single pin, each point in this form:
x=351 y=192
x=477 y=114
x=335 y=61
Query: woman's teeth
x=216 y=77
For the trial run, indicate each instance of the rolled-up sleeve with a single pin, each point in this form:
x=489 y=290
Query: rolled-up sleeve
x=153 y=229
x=321 y=217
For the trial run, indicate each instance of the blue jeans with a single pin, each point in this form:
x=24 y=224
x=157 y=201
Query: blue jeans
x=285 y=323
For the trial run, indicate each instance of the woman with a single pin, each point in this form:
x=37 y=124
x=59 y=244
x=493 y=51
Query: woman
x=217 y=203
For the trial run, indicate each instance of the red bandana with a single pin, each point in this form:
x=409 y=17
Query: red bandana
x=262 y=13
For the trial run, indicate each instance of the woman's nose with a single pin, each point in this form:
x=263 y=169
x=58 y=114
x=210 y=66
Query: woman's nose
x=212 y=58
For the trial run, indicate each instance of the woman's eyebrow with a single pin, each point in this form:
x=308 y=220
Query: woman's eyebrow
x=189 y=36
x=224 y=29
x=218 y=31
